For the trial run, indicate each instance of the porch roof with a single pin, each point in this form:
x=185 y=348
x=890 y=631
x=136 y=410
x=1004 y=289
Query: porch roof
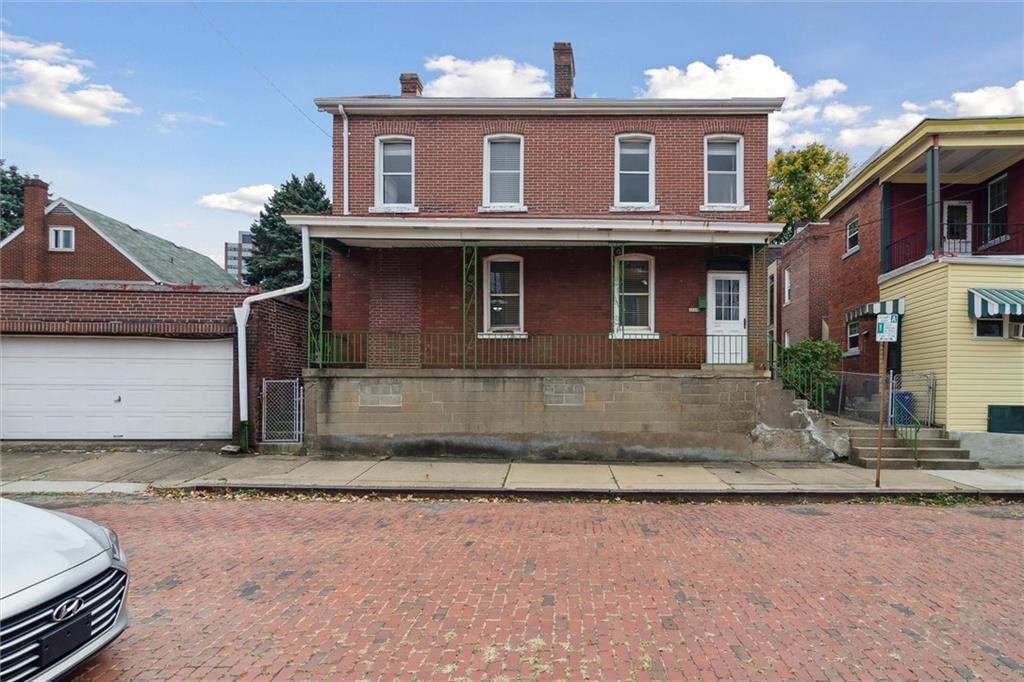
x=385 y=232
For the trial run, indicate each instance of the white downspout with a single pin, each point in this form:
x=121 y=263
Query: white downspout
x=344 y=160
x=242 y=318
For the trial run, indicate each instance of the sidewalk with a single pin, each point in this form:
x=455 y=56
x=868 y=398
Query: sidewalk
x=132 y=472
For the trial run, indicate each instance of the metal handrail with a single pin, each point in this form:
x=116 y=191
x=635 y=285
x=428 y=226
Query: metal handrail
x=797 y=377
x=985 y=238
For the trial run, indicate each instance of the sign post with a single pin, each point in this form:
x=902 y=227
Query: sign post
x=886 y=331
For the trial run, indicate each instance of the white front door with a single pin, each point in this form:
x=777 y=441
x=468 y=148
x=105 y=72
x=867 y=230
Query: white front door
x=956 y=226
x=727 y=318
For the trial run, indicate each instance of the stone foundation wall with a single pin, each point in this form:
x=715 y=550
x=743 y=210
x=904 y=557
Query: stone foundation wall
x=584 y=414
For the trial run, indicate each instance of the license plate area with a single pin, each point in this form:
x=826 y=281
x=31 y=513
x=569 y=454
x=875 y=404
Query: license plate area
x=65 y=639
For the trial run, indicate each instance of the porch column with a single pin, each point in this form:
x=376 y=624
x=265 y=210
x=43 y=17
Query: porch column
x=934 y=198
x=886 y=226
x=316 y=338
x=757 y=314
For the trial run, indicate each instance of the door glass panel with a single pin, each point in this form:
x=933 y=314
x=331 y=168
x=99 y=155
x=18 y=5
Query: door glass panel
x=956 y=222
x=727 y=300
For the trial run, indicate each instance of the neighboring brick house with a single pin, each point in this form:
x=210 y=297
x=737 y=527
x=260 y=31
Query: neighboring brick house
x=550 y=236
x=803 y=276
x=109 y=332
x=932 y=229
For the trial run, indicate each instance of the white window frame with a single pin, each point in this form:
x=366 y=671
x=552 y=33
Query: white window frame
x=853 y=350
x=1006 y=321
x=504 y=332
x=855 y=223
x=489 y=205
x=785 y=339
x=61 y=229
x=378 y=176
x=648 y=205
x=986 y=242
x=787 y=287
x=739 y=205
x=633 y=332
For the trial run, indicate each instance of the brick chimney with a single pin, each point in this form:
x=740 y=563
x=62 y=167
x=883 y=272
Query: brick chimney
x=565 y=70
x=35 y=240
x=411 y=85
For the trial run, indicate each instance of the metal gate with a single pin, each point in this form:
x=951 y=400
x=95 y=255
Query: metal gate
x=282 y=411
x=911 y=393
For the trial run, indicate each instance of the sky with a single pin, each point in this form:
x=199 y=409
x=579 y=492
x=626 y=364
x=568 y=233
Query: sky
x=180 y=118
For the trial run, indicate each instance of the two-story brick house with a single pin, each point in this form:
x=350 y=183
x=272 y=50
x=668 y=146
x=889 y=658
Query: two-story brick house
x=802 y=276
x=529 y=247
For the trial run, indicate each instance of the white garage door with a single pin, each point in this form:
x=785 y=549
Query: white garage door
x=85 y=387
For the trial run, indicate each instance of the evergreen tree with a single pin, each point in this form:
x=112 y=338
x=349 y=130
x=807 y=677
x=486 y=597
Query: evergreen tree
x=276 y=259
x=799 y=181
x=11 y=204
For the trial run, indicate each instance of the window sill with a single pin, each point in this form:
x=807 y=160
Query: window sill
x=640 y=208
x=994 y=242
x=634 y=336
x=851 y=252
x=394 y=209
x=785 y=303
x=517 y=208
x=852 y=353
x=725 y=208
x=62 y=250
x=502 y=335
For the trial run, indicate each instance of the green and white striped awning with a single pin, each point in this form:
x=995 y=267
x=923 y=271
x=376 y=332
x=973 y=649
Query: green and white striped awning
x=896 y=305
x=992 y=302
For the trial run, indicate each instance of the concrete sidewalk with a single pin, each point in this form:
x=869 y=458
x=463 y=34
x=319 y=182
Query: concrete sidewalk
x=134 y=471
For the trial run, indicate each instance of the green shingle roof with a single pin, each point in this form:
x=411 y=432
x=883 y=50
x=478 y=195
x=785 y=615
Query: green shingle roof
x=164 y=260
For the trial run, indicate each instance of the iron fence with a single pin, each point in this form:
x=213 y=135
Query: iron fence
x=282 y=411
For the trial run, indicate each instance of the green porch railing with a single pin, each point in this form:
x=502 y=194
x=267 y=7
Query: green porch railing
x=599 y=350
x=805 y=382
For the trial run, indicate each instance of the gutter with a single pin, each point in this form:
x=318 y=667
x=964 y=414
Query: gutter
x=545 y=105
x=344 y=158
x=242 y=318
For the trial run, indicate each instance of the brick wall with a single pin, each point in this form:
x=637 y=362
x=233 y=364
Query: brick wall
x=854 y=281
x=806 y=256
x=569 y=161
x=276 y=337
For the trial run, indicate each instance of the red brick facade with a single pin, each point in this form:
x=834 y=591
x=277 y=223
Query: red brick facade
x=277 y=349
x=806 y=256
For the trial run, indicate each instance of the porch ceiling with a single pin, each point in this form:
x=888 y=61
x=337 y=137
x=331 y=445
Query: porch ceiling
x=965 y=165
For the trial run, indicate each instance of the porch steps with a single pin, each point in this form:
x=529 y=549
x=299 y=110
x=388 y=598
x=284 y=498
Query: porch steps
x=935 y=450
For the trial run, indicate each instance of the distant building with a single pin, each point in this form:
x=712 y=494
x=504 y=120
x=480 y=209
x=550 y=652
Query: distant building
x=236 y=255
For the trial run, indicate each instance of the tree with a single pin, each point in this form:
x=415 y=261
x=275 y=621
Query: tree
x=799 y=181
x=11 y=205
x=276 y=259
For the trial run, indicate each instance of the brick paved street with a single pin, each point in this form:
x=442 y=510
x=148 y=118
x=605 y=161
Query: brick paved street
x=438 y=590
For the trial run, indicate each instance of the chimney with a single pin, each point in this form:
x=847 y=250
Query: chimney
x=565 y=70
x=411 y=85
x=35 y=240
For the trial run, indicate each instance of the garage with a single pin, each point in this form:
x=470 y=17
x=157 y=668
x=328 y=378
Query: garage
x=70 y=388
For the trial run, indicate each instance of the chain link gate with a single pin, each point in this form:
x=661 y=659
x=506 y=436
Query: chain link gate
x=282 y=411
x=911 y=393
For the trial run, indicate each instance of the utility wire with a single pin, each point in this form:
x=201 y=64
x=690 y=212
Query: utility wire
x=255 y=68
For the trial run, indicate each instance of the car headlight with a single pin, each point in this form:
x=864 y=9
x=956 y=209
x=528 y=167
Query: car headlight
x=116 y=553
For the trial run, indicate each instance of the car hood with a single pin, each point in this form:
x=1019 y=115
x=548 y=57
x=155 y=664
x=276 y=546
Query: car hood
x=36 y=545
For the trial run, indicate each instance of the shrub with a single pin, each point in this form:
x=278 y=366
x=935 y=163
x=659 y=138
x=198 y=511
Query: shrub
x=807 y=367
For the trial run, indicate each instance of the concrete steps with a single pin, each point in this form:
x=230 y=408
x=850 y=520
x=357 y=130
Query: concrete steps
x=935 y=450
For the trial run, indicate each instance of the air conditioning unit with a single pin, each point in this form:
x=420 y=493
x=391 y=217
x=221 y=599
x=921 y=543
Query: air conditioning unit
x=1017 y=330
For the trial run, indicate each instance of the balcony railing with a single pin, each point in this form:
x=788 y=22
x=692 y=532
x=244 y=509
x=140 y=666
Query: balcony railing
x=984 y=239
x=449 y=350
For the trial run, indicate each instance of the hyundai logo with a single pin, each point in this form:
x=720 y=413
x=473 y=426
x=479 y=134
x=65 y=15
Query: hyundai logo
x=68 y=609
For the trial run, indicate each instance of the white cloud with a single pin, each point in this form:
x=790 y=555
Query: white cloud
x=169 y=122
x=993 y=100
x=843 y=114
x=824 y=89
x=491 y=77
x=243 y=200
x=882 y=132
x=804 y=138
x=45 y=77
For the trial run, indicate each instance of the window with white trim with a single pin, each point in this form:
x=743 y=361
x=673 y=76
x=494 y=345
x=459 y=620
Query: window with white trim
x=785 y=339
x=503 y=297
x=998 y=209
x=503 y=171
x=787 y=287
x=634 y=170
x=62 y=239
x=853 y=336
x=723 y=172
x=852 y=234
x=998 y=327
x=395 y=186
x=634 y=294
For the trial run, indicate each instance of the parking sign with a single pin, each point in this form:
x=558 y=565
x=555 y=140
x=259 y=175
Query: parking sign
x=887 y=327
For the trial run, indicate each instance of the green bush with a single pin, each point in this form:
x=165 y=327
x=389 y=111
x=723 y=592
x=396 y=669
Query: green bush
x=807 y=367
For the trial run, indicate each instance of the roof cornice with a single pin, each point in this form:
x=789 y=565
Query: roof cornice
x=402 y=106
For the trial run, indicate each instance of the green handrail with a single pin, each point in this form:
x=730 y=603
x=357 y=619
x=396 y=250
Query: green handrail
x=907 y=428
x=797 y=377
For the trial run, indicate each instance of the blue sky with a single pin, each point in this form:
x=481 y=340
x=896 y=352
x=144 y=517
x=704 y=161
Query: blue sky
x=141 y=110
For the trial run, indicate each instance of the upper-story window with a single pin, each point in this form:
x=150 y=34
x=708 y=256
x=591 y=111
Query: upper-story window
x=503 y=172
x=998 y=209
x=634 y=171
x=787 y=287
x=852 y=235
x=723 y=173
x=395 y=183
x=62 y=239
x=503 y=297
x=634 y=294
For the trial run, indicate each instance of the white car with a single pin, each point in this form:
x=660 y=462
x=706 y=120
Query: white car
x=63 y=586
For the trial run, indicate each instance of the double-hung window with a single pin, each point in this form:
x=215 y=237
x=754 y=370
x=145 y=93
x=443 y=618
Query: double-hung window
x=634 y=294
x=503 y=172
x=787 y=287
x=395 y=185
x=723 y=173
x=853 y=338
x=852 y=235
x=503 y=297
x=634 y=171
x=62 y=239
x=998 y=210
